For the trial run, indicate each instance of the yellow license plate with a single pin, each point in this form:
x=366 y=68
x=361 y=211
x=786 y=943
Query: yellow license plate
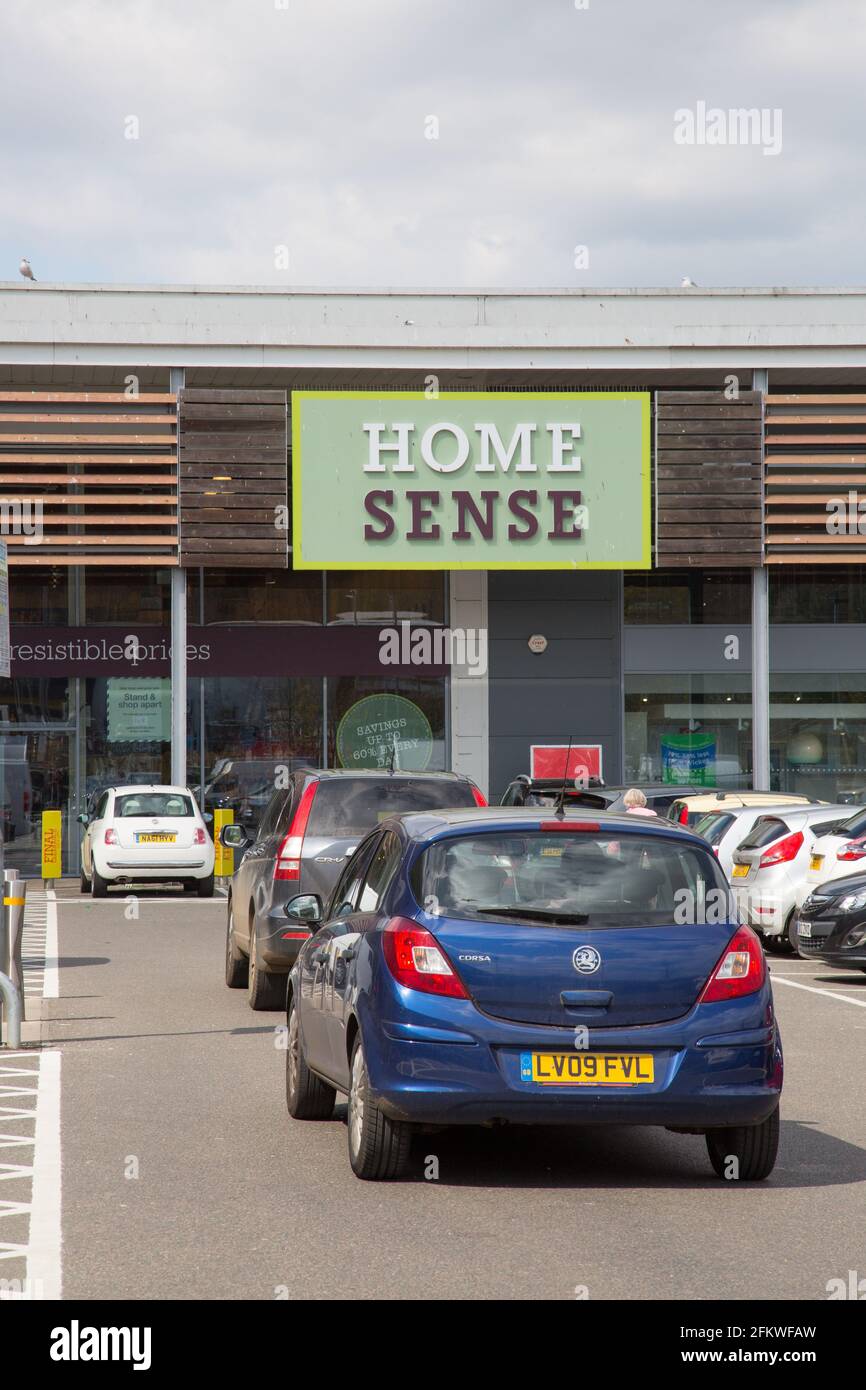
x=587 y=1068
x=816 y=861
x=741 y=870
x=156 y=839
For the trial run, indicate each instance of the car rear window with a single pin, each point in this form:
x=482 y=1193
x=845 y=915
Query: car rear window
x=855 y=825
x=348 y=806
x=152 y=804
x=763 y=832
x=596 y=880
x=713 y=826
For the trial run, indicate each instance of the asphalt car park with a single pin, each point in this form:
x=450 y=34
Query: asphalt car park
x=228 y=1198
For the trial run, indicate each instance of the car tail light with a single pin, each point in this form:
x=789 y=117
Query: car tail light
x=591 y=825
x=288 y=865
x=111 y=837
x=741 y=970
x=480 y=798
x=417 y=961
x=854 y=849
x=199 y=838
x=783 y=852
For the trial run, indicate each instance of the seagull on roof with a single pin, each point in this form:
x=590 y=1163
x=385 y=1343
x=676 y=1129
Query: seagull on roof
x=24 y=269
x=687 y=283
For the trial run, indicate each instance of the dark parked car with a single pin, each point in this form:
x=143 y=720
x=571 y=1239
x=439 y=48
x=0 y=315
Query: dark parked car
x=307 y=833
x=544 y=791
x=831 y=924
x=522 y=967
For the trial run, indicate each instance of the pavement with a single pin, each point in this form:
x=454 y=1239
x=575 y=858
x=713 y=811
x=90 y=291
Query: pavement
x=167 y=1165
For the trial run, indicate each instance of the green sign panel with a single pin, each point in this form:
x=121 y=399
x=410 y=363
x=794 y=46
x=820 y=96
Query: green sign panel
x=385 y=731
x=139 y=710
x=471 y=480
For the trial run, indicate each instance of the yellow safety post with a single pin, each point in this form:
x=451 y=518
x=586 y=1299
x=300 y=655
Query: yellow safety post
x=224 y=859
x=52 y=845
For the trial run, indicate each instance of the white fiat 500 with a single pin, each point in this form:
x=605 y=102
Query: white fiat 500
x=146 y=834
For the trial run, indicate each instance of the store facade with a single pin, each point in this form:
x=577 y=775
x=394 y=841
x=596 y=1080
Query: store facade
x=336 y=528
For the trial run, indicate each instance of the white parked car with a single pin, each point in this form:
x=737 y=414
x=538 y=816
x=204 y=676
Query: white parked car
x=725 y=830
x=146 y=834
x=836 y=854
x=770 y=865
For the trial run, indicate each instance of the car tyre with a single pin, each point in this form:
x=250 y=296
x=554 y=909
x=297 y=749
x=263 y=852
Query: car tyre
x=85 y=882
x=98 y=884
x=753 y=1146
x=378 y=1146
x=264 y=990
x=237 y=965
x=204 y=887
x=307 y=1096
x=790 y=933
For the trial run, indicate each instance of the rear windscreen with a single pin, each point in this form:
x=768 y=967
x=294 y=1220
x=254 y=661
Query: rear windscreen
x=763 y=832
x=152 y=804
x=855 y=825
x=713 y=826
x=550 y=878
x=353 y=805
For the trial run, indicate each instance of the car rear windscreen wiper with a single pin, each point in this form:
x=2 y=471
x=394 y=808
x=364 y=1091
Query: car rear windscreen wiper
x=541 y=914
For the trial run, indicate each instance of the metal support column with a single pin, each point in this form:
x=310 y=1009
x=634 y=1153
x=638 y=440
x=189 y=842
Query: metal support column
x=760 y=653
x=178 y=644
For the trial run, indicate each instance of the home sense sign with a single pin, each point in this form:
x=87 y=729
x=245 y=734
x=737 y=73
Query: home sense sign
x=518 y=480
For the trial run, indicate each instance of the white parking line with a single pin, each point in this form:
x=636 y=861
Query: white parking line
x=51 y=979
x=44 y=1242
x=827 y=993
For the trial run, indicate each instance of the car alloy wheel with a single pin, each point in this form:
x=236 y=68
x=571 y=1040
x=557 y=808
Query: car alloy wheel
x=379 y=1147
x=292 y=1060
x=357 y=1090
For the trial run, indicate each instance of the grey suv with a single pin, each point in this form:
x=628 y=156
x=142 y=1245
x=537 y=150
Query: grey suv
x=306 y=835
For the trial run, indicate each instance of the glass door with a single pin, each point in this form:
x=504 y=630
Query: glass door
x=36 y=775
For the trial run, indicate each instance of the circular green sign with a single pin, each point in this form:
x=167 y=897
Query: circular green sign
x=372 y=729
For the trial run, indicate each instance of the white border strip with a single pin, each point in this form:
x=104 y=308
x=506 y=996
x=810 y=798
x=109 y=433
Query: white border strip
x=44 y=1245
x=51 y=979
x=810 y=989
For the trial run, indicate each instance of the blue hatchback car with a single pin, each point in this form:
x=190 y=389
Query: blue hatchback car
x=533 y=967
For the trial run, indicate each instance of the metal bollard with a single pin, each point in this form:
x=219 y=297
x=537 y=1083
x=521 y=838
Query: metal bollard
x=11 y=930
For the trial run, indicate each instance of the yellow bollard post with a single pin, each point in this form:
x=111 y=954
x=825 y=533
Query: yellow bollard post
x=224 y=859
x=52 y=846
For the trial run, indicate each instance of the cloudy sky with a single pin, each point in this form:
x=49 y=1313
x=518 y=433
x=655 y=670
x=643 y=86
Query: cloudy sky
x=287 y=142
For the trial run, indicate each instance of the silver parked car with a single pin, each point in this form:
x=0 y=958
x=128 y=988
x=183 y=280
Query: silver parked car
x=307 y=833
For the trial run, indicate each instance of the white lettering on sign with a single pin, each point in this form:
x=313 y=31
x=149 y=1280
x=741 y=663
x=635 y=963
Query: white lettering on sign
x=450 y=457
x=522 y=436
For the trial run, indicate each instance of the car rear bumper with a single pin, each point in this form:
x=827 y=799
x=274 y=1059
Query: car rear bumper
x=711 y=1070
x=279 y=941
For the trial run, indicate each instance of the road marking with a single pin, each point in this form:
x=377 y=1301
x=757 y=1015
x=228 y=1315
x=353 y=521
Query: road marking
x=51 y=980
x=827 y=993
x=44 y=1271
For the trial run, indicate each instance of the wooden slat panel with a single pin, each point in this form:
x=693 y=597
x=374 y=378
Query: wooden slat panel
x=91 y=397
x=91 y=480
x=708 y=479
x=800 y=399
x=78 y=460
x=110 y=441
x=199 y=396
x=124 y=420
x=168 y=559
x=110 y=541
x=233 y=466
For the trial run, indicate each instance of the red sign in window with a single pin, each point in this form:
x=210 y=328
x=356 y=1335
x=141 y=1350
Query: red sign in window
x=549 y=760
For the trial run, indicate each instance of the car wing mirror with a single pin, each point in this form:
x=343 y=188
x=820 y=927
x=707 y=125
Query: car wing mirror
x=306 y=908
x=233 y=837
x=83 y=819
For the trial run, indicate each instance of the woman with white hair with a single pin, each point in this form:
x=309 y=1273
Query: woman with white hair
x=635 y=802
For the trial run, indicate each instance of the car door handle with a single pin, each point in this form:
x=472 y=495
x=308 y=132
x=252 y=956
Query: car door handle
x=586 y=998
